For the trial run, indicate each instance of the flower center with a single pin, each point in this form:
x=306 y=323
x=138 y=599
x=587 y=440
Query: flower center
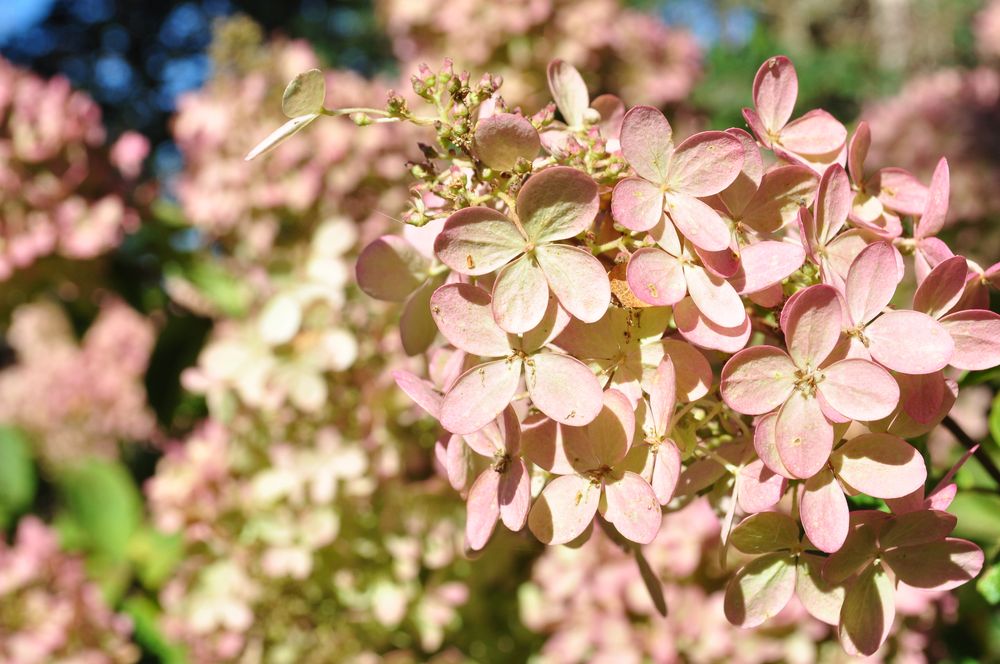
x=806 y=381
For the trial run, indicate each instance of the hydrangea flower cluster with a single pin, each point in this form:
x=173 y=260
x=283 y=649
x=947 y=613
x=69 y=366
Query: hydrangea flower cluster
x=78 y=399
x=60 y=192
x=613 y=320
x=49 y=611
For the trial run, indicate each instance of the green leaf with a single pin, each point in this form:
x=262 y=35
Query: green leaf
x=155 y=555
x=995 y=420
x=765 y=532
x=145 y=616
x=103 y=501
x=231 y=296
x=989 y=585
x=18 y=480
x=868 y=612
x=305 y=94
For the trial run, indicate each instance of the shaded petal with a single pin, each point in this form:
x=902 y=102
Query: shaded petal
x=610 y=433
x=834 y=203
x=739 y=193
x=909 y=342
x=899 y=190
x=478 y=240
x=939 y=565
x=520 y=296
x=637 y=204
x=564 y=509
x=612 y=110
x=976 y=333
x=543 y=442
x=563 y=388
x=824 y=513
x=390 y=269
x=880 y=465
x=482 y=509
x=759 y=488
x=760 y=590
x=764 y=533
x=757 y=380
x=932 y=217
x=918 y=527
x=766 y=447
x=705 y=164
x=698 y=222
x=783 y=191
x=464 y=315
x=693 y=372
x=662 y=390
x=421 y=391
x=868 y=612
x=646 y=143
x=479 y=395
x=859 y=389
x=803 y=435
x=578 y=280
x=515 y=495
x=656 y=277
x=557 y=203
x=633 y=508
x=666 y=471
x=871 y=282
x=820 y=598
x=501 y=139
x=417 y=328
x=942 y=288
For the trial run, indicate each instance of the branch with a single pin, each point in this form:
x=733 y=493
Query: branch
x=981 y=455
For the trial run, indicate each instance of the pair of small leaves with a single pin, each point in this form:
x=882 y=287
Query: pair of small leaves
x=303 y=103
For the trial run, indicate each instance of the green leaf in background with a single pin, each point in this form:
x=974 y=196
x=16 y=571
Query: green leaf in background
x=18 y=480
x=104 y=503
x=988 y=584
x=995 y=420
x=145 y=616
x=154 y=555
x=213 y=282
x=977 y=516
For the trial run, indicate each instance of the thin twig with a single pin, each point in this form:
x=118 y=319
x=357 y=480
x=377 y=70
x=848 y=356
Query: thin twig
x=981 y=455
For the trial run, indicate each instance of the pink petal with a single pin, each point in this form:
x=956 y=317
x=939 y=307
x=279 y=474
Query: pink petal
x=918 y=527
x=840 y=254
x=520 y=296
x=612 y=110
x=694 y=373
x=501 y=139
x=783 y=191
x=880 y=465
x=704 y=333
x=422 y=392
x=766 y=447
x=760 y=590
x=859 y=389
x=578 y=280
x=759 y=488
x=833 y=203
x=514 y=495
x=775 y=88
x=478 y=240
x=501 y=436
x=464 y=315
x=563 y=388
x=457 y=463
x=698 y=222
x=766 y=263
x=705 y=163
x=936 y=565
x=482 y=509
x=942 y=288
x=479 y=395
x=757 y=127
x=931 y=252
x=824 y=513
x=871 y=282
x=976 y=333
x=564 y=509
x=803 y=436
x=637 y=204
x=813 y=325
x=868 y=612
x=557 y=203
x=390 y=269
x=769 y=298
x=933 y=216
x=666 y=471
x=633 y=508
x=568 y=91
x=815 y=133
x=909 y=342
x=899 y=190
x=723 y=263
x=656 y=277
x=715 y=297
x=923 y=395
x=757 y=380
x=859 y=549
x=646 y=143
